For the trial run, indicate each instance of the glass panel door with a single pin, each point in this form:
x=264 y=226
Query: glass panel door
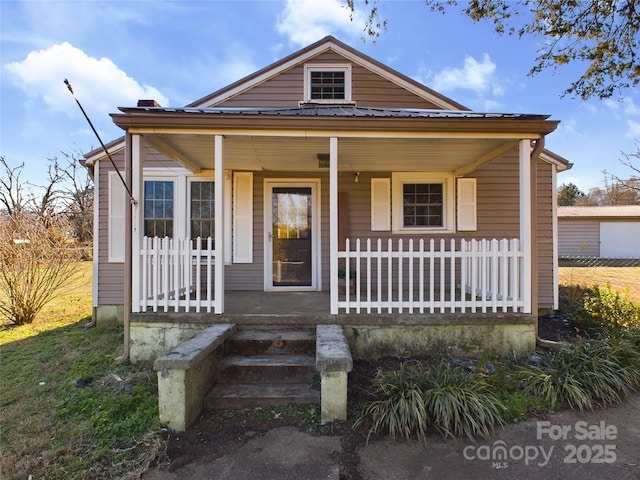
x=292 y=236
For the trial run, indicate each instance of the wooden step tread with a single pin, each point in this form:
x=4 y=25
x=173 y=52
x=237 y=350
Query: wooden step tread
x=224 y=396
x=267 y=361
x=276 y=342
x=270 y=335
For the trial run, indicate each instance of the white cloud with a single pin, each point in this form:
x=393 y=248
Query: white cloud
x=630 y=108
x=634 y=129
x=98 y=83
x=307 y=21
x=569 y=128
x=478 y=76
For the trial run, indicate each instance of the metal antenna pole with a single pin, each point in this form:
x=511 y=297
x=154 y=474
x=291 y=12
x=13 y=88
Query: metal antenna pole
x=131 y=199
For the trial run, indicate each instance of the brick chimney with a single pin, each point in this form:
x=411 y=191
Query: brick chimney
x=148 y=103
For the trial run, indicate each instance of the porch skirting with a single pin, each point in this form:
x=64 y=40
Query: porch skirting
x=369 y=336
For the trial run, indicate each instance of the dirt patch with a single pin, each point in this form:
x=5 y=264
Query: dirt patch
x=556 y=327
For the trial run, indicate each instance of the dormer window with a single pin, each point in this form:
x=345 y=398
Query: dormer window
x=327 y=83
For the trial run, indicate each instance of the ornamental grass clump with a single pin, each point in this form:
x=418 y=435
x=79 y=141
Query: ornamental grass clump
x=399 y=407
x=459 y=403
x=415 y=399
x=588 y=373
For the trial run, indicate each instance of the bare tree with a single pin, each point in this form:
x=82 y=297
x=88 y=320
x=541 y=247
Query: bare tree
x=67 y=190
x=631 y=161
x=623 y=192
x=19 y=197
x=78 y=198
x=39 y=227
x=12 y=194
x=48 y=203
x=36 y=260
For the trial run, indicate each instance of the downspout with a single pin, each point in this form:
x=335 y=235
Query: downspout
x=533 y=165
x=128 y=250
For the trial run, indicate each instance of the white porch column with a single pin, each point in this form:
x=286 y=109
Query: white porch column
x=137 y=231
x=525 y=221
x=220 y=226
x=333 y=223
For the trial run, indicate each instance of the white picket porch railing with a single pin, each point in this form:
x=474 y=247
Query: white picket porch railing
x=480 y=276
x=177 y=274
x=410 y=277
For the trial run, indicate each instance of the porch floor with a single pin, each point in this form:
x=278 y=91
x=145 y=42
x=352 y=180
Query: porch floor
x=276 y=303
x=312 y=308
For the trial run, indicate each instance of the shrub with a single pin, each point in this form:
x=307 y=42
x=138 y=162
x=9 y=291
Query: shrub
x=414 y=399
x=36 y=260
x=601 y=310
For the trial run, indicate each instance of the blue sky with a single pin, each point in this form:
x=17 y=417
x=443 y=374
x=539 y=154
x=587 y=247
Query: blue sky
x=175 y=52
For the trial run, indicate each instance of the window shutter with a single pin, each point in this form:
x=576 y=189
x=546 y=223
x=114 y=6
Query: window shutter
x=467 y=204
x=117 y=205
x=380 y=204
x=228 y=237
x=243 y=217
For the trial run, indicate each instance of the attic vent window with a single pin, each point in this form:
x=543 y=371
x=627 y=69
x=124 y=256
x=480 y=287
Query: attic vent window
x=327 y=83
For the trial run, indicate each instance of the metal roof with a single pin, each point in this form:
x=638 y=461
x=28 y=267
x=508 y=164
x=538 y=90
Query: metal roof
x=593 y=212
x=337 y=111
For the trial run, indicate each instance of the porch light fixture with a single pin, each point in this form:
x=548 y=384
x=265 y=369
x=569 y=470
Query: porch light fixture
x=323 y=160
x=357 y=176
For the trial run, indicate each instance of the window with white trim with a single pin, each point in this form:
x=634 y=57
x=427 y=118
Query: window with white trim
x=327 y=83
x=158 y=208
x=202 y=207
x=183 y=206
x=422 y=203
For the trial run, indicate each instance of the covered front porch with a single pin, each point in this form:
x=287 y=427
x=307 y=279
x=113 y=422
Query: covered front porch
x=453 y=267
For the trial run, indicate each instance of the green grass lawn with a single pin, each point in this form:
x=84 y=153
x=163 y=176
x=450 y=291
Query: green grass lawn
x=67 y=409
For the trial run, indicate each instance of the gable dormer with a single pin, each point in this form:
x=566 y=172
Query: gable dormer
x=327 y=83
x=327 y=72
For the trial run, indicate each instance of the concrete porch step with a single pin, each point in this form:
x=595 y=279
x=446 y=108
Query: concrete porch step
x=272 y=342
x=224 y=396
x=261 y=369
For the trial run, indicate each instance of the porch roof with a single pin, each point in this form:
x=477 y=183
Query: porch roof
x=353 y=118
x=370 y=138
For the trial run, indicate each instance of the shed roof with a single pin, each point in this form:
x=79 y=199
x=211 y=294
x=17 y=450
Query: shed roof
x=619 y=211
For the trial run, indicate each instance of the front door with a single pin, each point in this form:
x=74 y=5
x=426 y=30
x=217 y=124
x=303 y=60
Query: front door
x=291 y=235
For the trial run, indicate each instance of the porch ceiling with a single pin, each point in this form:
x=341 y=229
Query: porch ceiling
x=281 y=153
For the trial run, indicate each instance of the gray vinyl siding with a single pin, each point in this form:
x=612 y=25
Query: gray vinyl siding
x=544 y=234
x=110 y=274
x=579 y=238
x=368 y=89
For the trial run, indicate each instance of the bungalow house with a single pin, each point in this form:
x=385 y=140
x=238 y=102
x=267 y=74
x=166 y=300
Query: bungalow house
x=254 y=200
x=599 y=232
